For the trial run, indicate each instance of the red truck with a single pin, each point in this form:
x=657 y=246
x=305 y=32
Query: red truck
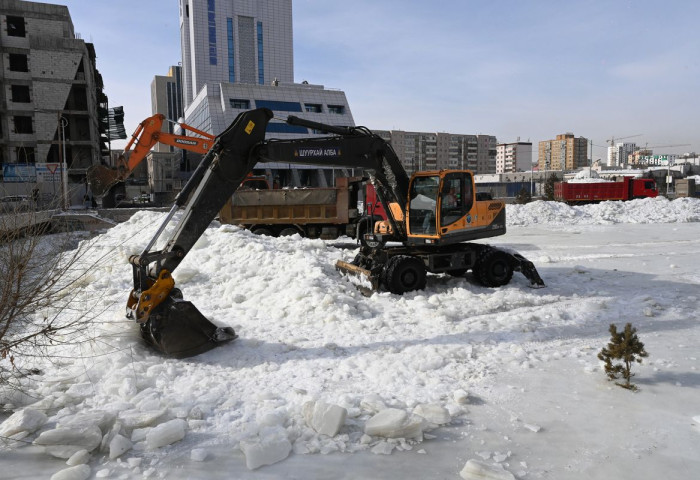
x=627 y=189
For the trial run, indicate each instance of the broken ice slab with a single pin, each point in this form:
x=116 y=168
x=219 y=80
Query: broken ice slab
x=27 y=420
x=433 y=414
x=478 y=470
x=265 y=451
x=166 y=433
x=325 y=418
x=394 y=423
x=63 y=442
x=79 y=472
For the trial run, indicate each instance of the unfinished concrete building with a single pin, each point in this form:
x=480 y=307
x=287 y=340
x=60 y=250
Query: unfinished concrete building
x=48 y=100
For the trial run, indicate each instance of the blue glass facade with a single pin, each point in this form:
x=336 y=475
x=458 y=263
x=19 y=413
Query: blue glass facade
x=211 y=17
x=261 y=63
x=286 y=128
x=229 y=34
x=276 y=105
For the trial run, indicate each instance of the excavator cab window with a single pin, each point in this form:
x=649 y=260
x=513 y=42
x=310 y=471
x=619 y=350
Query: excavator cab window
x=422 y=209
x=456 y=197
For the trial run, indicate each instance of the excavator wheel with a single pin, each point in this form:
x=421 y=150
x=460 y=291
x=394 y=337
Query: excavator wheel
x=493 y=268
x=403 y=274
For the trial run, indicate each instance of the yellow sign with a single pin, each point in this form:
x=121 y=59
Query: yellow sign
x=249 y=128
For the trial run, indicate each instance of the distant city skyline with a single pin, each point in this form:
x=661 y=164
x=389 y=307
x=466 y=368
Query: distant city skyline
x=512 y=69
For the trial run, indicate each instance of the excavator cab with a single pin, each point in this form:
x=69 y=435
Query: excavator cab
x=442 y=209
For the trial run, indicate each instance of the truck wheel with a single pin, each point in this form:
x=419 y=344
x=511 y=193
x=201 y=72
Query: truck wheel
x=288 y=232
x=404 y=274
x=263 y=231
x=493 y=269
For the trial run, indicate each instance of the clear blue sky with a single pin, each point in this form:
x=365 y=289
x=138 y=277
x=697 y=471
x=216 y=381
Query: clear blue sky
x=528 y=69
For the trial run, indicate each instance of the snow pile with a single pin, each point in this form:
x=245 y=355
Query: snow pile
x=318 y=367
x=646 y=210
x=588 y=176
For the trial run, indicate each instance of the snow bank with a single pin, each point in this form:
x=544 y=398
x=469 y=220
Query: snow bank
x=318 y=367
x=646 y=210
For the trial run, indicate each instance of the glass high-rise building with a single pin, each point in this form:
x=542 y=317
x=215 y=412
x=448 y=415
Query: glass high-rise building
x=235 y=41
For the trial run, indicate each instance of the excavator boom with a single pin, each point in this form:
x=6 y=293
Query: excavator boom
x=148 y=133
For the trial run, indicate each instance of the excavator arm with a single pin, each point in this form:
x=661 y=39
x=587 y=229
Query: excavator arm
x=148 y=133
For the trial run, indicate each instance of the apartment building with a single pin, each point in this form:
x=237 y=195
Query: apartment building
x=48 y=100
x=566 y=152
x=513 y=157
x=420 y=151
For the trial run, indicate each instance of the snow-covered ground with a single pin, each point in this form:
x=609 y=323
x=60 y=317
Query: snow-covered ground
x=511 y=374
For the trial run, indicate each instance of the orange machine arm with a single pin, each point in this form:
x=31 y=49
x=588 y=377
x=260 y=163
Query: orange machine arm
x=148 y=133
x=101 y=177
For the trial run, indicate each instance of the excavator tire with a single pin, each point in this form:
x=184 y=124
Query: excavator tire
x=403 y=274
x=493 y=268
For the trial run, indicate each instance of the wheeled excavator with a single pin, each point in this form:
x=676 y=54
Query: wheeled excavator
x=432 y=219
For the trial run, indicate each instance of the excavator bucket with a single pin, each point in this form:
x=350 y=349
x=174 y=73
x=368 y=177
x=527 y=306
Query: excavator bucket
x=177 y=329
x=101 y=178
x=363 y=279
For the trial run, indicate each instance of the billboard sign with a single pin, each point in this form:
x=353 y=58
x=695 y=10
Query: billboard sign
x=18 y=172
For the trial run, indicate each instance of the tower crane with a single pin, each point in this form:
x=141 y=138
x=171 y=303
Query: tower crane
x=611 y=141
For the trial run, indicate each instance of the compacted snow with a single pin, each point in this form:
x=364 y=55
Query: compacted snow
x=455 y=381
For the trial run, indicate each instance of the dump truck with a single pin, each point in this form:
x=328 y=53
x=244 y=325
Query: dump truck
x=626 y=189
x=433 y=218
x=325 y=213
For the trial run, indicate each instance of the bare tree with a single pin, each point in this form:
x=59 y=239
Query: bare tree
x=42 y=302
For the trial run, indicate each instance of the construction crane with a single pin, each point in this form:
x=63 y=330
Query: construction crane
x=647 y=147
x=611 y=141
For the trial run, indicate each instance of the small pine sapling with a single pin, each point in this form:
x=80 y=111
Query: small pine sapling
x=624 y=346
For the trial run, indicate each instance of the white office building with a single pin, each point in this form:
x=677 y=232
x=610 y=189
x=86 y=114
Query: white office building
x=238 y=55
x=618 y=153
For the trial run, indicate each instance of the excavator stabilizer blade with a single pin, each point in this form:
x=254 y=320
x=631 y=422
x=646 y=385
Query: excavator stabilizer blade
x=101 y=178
x=527 y=268
x=177 y=329
x=358 y=276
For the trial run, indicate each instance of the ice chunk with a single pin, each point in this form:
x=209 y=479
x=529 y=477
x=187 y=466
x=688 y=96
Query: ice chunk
x=79 y=458
x=383 y=448
x=79 y=472
x=166 y=433
x=136 y=419
x=63 y=442
x=102 y=419
x=394 y=423
x=265 y=451
x=461 y=396
x=27 y=420
x=434 y=414
x=478 y=470
x=532 y=428
x=118 y=446
x=372 y=403
x=198 y=455
x=325 y=418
